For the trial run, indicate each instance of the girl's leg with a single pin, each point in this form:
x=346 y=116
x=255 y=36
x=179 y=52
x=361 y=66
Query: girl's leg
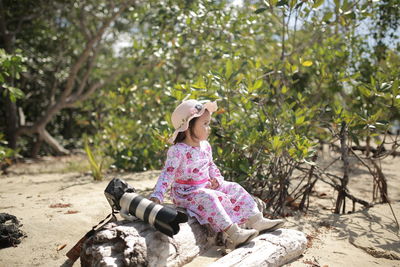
x=211 y=208
x=251 y=214
x=241 y=203
x=206 y=204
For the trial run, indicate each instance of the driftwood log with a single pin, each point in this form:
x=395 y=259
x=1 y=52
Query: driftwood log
x=125 y=243
x=269 y=249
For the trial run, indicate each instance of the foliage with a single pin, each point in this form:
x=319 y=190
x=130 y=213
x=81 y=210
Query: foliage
x=69 y=51
x=6 y=153
x=289 y=75
x=96 y=168
x=10 y=67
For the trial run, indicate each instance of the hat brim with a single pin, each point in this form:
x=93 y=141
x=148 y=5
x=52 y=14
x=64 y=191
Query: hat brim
x=210 y=106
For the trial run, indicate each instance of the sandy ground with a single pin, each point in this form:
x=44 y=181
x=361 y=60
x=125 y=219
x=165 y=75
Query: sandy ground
x=57 y=203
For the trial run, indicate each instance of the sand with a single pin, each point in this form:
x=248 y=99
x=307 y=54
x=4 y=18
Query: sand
x=57 y=202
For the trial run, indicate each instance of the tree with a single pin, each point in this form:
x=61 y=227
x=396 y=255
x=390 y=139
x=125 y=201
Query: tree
x=63 y=48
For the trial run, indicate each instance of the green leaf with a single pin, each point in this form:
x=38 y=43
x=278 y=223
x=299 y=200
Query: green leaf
x=258 y=64
x=327 y=16
x=94 y=166
x=13 y=92
x=239 y=78
x=200 y=84
x=364 y=91
x=220 y=151
x=257 y=84
x=318 y=3
x=373 y=83
x=277 y=143
x=273 y=2
x=307 y=63
x=376 y=116
x=300 y=120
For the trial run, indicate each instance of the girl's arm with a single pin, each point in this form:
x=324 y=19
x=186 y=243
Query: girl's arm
x=213 y=171
x=168 y=173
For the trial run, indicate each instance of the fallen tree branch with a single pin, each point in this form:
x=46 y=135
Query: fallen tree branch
x=377 y=152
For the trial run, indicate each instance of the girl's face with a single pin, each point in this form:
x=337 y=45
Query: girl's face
x=201 y=127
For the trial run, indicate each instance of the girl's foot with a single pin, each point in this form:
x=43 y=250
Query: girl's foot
x=259 y=223
x=238 y=236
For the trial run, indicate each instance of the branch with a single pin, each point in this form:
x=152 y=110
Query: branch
x=379 y=152
x=347 y=194
x=60 y=104
x=83 y=27
x=44 y=134
x=27 y=18
x=54 y=86
x=53 y=109
x=358 y=200
x=89 y=92
x=82 y=85
x=85 y=54
x=82 y=97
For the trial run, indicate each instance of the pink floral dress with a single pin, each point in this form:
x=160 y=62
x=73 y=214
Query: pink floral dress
x=189 y=170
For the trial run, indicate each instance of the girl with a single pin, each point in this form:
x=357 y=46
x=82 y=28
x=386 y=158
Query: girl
x=197 y=184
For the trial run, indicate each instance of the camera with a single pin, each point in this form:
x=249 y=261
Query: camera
x=123 y=198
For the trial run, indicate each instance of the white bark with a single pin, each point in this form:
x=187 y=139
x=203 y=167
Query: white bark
x=138 y=244
x=270 y=249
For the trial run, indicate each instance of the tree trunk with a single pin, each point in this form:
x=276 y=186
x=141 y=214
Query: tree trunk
x=36 y=146
x=340 y=201
x=368 y=146
x=11 y=122
x=381 y=182
x=310 y=186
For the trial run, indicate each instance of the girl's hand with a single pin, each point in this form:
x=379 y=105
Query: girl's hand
x=155 y=200
x=214 y=183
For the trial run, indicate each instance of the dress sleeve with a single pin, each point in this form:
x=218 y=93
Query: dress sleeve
x=168 y=173
x=213 y=170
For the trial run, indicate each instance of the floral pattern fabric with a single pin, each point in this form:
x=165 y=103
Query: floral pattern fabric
x=189 y=171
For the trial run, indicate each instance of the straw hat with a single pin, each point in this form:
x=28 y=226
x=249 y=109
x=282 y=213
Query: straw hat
x=188 y=110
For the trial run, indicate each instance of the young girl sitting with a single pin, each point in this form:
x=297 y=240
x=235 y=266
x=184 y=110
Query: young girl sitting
x=197 y=184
